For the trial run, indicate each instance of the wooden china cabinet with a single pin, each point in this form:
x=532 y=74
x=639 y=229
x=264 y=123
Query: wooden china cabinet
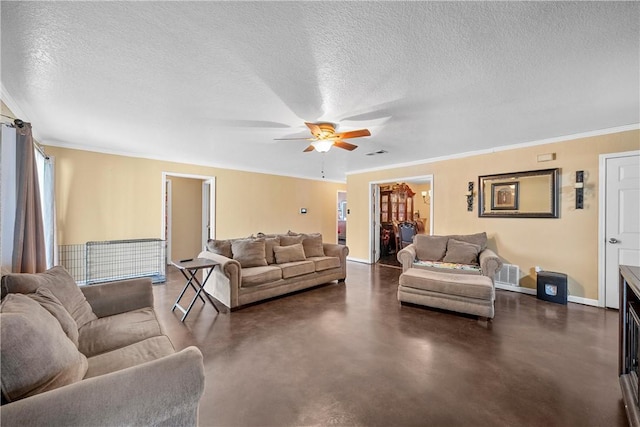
x=396 y=206
x=396 y=203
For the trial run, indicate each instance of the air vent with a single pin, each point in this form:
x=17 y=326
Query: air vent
x=375 y=153
x=509 y=275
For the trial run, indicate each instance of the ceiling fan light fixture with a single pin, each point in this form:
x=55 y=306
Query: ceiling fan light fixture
x=322 y=145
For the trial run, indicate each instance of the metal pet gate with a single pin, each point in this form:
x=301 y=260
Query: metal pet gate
x=97 y=262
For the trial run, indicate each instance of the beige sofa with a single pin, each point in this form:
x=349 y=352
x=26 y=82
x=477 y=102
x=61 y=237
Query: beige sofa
x=257 y=268
x=454 y=272
x=91 y=356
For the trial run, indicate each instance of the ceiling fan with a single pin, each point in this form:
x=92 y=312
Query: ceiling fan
x=325 y=137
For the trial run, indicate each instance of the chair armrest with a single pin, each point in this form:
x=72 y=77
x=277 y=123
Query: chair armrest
x=406 y=256
x=490 y=263
x=165 y=391
x=108 y=299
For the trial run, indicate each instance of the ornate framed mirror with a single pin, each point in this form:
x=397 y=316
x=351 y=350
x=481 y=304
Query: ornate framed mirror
x=530 y=194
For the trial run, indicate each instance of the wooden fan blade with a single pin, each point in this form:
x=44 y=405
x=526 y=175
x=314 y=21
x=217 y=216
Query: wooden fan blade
x=314 y=128
x=309 y=148
x=345 y=145
x=353 y=134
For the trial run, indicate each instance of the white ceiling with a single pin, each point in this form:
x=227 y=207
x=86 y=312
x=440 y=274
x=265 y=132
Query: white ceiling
x=215 y=82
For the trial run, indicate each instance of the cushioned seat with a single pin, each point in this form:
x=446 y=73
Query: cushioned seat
x=465 y=293
x=254 y=276
x=117 y=331
x=297 y=268
x=131 y=355
x=325 y=262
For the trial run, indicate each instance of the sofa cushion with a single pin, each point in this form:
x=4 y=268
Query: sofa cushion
x=298 y=268
x=464 y=285
x=312 y=244
x=254 y=276
x=269 y=243
x=286 y=240
x=112 y=332
x=60 y=283
x=290 y=253
x=37 y=355
x=131 y=355
x=479 y=239
x=49 y=302
x=220 y=247
x=325 y=262
x=430 y=248
x=461 y=252
x=249 y=252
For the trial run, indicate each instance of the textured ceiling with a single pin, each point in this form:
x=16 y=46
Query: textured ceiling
x=215 y=82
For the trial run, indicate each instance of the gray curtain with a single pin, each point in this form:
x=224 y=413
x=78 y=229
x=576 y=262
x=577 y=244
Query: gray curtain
x=29 y=254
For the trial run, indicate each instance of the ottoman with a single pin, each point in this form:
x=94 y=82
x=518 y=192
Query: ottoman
x=464 y=293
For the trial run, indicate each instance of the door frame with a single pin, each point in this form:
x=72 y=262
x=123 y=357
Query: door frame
x=211 y=180
x=602 y=198
x=373 y=201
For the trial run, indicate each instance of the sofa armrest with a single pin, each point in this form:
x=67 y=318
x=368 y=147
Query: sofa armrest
x=224 y=282
x=338 y=251
x=335 y=250
x=165 y=391
x=406 y=256
x=490 y=263
x=108 y=299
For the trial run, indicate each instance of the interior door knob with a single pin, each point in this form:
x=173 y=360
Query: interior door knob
x=613 y=240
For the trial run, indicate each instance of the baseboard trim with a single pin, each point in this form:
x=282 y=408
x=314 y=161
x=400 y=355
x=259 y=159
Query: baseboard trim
x=529 y=291
x=363 y=261
x=583 y=301
x=516 y=289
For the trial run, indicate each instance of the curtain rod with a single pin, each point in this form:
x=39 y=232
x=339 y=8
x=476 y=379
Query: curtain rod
x=19 y=123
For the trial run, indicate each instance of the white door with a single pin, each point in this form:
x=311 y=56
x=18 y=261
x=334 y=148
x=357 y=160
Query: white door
x=375 y=211
x=206 y=213
x=622 y=220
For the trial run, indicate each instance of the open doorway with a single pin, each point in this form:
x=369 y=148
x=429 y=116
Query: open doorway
x=188 y=214
x=394 y=203
x=342 y=218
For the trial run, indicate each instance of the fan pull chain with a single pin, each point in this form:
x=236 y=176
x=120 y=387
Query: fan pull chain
x=323 y=165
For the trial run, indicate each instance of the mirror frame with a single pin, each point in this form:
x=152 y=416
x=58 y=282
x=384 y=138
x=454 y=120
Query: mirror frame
x=554 y=193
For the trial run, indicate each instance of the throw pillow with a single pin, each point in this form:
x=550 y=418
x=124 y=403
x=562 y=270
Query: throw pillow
x=269 y=244
x=249 y=252
x=220 y=247
x=312 y=244
x=286 y=240
x=60 y=283
x=462 y=252
x=49 y=302
x=430 y=248
x=479 y=239
x=36 y=354
x=291 y=253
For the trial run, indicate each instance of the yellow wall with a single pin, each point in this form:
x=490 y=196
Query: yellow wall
x=186 y=217
x=108 y=197
x=567 y=244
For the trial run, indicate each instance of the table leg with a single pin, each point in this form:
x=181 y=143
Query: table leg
x=199 y=289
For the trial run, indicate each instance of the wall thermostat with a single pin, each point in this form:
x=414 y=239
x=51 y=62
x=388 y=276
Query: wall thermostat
x=303 y=210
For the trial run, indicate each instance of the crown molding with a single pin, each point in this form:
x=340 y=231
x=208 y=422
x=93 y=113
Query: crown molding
x=564 y=138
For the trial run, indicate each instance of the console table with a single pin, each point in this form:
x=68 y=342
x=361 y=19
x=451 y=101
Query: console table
x=629 y=341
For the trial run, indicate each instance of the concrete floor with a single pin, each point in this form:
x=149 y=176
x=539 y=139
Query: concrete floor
x=350 y=355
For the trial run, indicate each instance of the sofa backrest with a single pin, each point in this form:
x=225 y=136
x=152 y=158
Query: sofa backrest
x=434 y=248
